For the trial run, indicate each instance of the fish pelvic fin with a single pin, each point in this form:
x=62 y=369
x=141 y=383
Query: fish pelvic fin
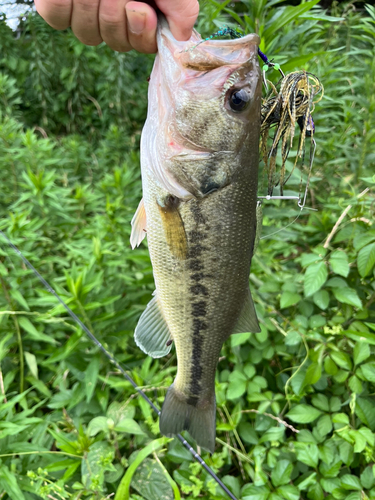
x=139 y=225
x=199 y=419
x=247 y=320
x=152 y=334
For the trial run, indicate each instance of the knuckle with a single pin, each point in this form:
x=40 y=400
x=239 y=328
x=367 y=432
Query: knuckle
x=86 y=5
x=110 y=19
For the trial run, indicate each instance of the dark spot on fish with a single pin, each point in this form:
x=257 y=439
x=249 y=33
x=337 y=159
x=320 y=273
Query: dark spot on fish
x=199 y=308
x=194 y=236
x=199 y=325
x=197 y=213
x=195 y=386
x=196 y=250
x=192 y=400
x=197 y=276
x=199 y=289
x=195 y=265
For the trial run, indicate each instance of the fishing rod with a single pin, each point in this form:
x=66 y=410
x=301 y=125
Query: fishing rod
x=51 y=290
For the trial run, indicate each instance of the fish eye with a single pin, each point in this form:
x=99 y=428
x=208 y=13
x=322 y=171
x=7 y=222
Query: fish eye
x=239 y=99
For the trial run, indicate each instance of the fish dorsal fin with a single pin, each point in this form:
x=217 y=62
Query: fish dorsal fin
x=138 y=225
x=152 y=333
x=247 y=321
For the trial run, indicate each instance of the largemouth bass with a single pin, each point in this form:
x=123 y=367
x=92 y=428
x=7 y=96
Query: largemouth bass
x=199 y=160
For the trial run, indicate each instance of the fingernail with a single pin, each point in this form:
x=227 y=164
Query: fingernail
x=136 y=21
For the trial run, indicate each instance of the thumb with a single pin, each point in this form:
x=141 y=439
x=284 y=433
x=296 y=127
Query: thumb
x=181 y=16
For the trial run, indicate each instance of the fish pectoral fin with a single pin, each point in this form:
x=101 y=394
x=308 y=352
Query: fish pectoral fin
x=247 y=321
x=138 y=225
x=152 y=334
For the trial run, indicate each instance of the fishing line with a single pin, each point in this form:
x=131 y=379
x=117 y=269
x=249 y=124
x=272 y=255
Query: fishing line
x=46 y=285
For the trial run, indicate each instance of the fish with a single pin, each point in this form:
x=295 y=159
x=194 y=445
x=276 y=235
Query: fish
x=199 y=165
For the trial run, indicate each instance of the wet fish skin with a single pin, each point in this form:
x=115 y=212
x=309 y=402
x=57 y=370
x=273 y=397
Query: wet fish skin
x=199 y=173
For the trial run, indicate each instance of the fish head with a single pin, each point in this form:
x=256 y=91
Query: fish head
x=204 y=100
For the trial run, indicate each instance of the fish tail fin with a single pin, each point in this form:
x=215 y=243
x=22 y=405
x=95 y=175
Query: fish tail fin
x=199 y=418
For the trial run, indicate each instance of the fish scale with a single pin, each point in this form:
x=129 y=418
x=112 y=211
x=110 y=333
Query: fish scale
x=199 y=159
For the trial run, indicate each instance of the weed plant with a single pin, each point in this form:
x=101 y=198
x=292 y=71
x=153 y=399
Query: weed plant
x=296 y=406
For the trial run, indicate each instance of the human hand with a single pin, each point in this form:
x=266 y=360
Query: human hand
x=122 y=24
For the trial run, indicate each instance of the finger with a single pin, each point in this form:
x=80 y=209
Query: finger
x=181 y=16
x=85 y=21
x=142 y=23
x=56 y=13
x=112 y=24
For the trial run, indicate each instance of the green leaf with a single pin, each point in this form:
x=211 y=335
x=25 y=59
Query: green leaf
x=98 y=459
x=316 y=492
x=337 y=283
x=331 y=470
x=315 y=277
x=237 y=385
x=324 y=425
x=307 y=454
x=31 y=363
x=97 y=424
x=288 y=492
x=330 y=484
x=130 y=426
x=248 y=433
x=9 y=484
x=313 y=374
x=368 y=478
x=239 y=339
x=365 y=411
x=18 y=297
x=281 y=473
x=26 y=324
x=91 y=376
x=361 y=352
x=368 y=371
x=289 y=14
x=366 y=259
x=339 y=263
x=355 y=385
x=347 y=296
x=320 y=401
x=151 y=481
x=288 y=299
x=350 y=482
x=342 y=359
x=123 y=492
x=329 y=366
x=359 y=441
x=273 y=434
x=321 y=299
x=363 y=239
x=303 y=414
x=251 y=492
x=362 y=336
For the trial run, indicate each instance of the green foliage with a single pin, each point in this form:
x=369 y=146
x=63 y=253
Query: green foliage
x=296 y=410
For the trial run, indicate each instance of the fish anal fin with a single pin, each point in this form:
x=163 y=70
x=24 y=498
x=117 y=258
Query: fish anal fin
x=199 y=419
x=247 y=321
x=152 y=334
x=139 y=225
x=174 y=229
